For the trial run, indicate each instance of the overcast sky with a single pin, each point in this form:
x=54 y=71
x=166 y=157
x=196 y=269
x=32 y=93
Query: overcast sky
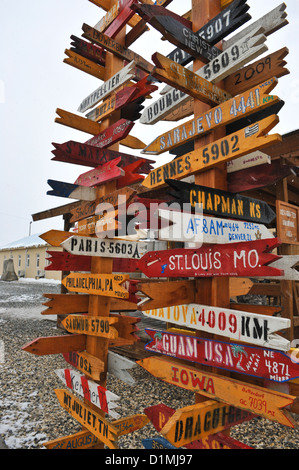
x=34 y=82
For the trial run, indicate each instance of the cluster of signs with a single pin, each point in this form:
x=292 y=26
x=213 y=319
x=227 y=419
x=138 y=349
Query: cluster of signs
x=224 y=233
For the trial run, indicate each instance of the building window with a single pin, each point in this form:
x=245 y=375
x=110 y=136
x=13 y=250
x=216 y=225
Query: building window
x=37 y=260
x=19 y=261
x=27 y=260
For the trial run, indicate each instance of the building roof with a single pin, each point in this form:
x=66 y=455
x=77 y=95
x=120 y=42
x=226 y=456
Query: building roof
x=27 y=242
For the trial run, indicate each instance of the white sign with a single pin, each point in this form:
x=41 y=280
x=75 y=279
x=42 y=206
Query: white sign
x=248 y=161
x=242 y=326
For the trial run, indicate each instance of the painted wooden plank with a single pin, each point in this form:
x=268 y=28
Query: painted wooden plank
x=89 y=246
x=239 y=286
x=199 y=421
x=114 y=102
x=149 y=10
x=269 y=364
x=254 y=399
x=255 y=99
x=164 y=294
x=131 y=175
x=106 y=5
x=63 y=304
x=102 y=174
x=79 y=440
x=288 y=264
x=61 y=261
x=242 y=326
x=88 y=50
x=223 y=150
x=156 y=443
x=46 y=345
x=113 y=46
x=114 y=133
x=125 y=74
x=257 y=177
x=91 y=391
x=130 y=424
x=229 y=19
x=97 y=284
x=110 y=16
x=119 y=366
x=287 y=222
x=121 y=20
x=187 y=81
x=77 y=122
x=86 y=416
x=252 y=159
x=221 y=203
x=160 y=414
x=90 y=326
x=86 y=363
x=55 y=237
x=227 y=62
x=71 y=191
x=272 y=65
x=200 y=229
x=84 y=64
x=244 y=259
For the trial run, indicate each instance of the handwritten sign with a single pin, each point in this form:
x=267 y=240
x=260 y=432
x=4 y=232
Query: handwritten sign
x=97 y=284
x=91 y=391
x=200 y=229
x=86 y=49
x=243 y=326
x=287 y=222
x=222 y=203
x=86 y=416
x=117 y=131
x=265 y=363
x=223 y=150
x=92 y=326
x=84 y=64
x=102 y=174
x=253 y=399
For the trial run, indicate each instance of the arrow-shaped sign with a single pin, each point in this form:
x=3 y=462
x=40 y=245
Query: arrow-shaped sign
x=228 y=61
x=88 y=50
x=91 y=391
x=102 y=174
x=122 y=76
x=90 y=419
x=91 y=325
x=222 y=203
x=249 y=102
x=114 y=133
x=62 y=261
x=90 y=246
x=244 y=259
x=223 y=389
x=265 y=363
x=72 y=191
x=243 y=326
x=119 y=367
x=200 y=229
x=84 y=64
x=223 y=150
x=97 y=284
x=288 y=264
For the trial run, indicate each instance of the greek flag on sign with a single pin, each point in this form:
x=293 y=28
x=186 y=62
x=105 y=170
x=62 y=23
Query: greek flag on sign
x=250 y=130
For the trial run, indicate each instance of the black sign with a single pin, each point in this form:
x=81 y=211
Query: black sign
x=222 y=203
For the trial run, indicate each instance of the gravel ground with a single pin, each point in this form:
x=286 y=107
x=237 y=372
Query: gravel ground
x=29 y=410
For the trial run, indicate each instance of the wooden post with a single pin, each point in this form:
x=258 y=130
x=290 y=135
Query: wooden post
x=212 y=291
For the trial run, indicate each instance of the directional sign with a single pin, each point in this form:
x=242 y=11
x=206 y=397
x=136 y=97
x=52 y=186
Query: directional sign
x=130 y=424
x=89 y=246
x=113 y=46
x=265 y=363
x=117 y=131
x=199 y=421
x=251 y=101
x=200 y=229
x=74 y=121
x=85 y=363
x=177 y=33
x=91 y=391
x=72 y=191
x=223 y=150
x=125 y=74
x=163 y=294
x=160 y=415
x=244 y=259
x=222 y=203
x=102 y=174
x=248 y=161
x=258 y=177
x=269 y=404
x=79 y=440
x=88 y=50
x=97 y=284
x=123 y=17
x=243 y=326
x=113 y=103
x=228 y=61
x=61 y=261
x=259 y=71
x=84 y=64
x=119 y=367
x=90 y=325
x=288 y=264
x=287 y=222
x=187 y=81
x=156 y=443
x=86 y=416
x=229 y=19
x=55 y=344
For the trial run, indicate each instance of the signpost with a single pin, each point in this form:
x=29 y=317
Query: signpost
x=222 y=203
x=223 y=150
x=254 y=399
x=254 y=361
x=242 y=326
x=97 y=284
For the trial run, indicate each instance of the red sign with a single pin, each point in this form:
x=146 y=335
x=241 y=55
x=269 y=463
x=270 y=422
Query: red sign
x=245 y=259
x=102 y=174
x=113 y=134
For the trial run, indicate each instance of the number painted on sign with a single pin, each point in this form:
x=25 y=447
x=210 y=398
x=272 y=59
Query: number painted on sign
x=225 y=147
x=215 y=65
x=100 y=326
x=216 y=28
x=255 y=69
x=223 y=322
